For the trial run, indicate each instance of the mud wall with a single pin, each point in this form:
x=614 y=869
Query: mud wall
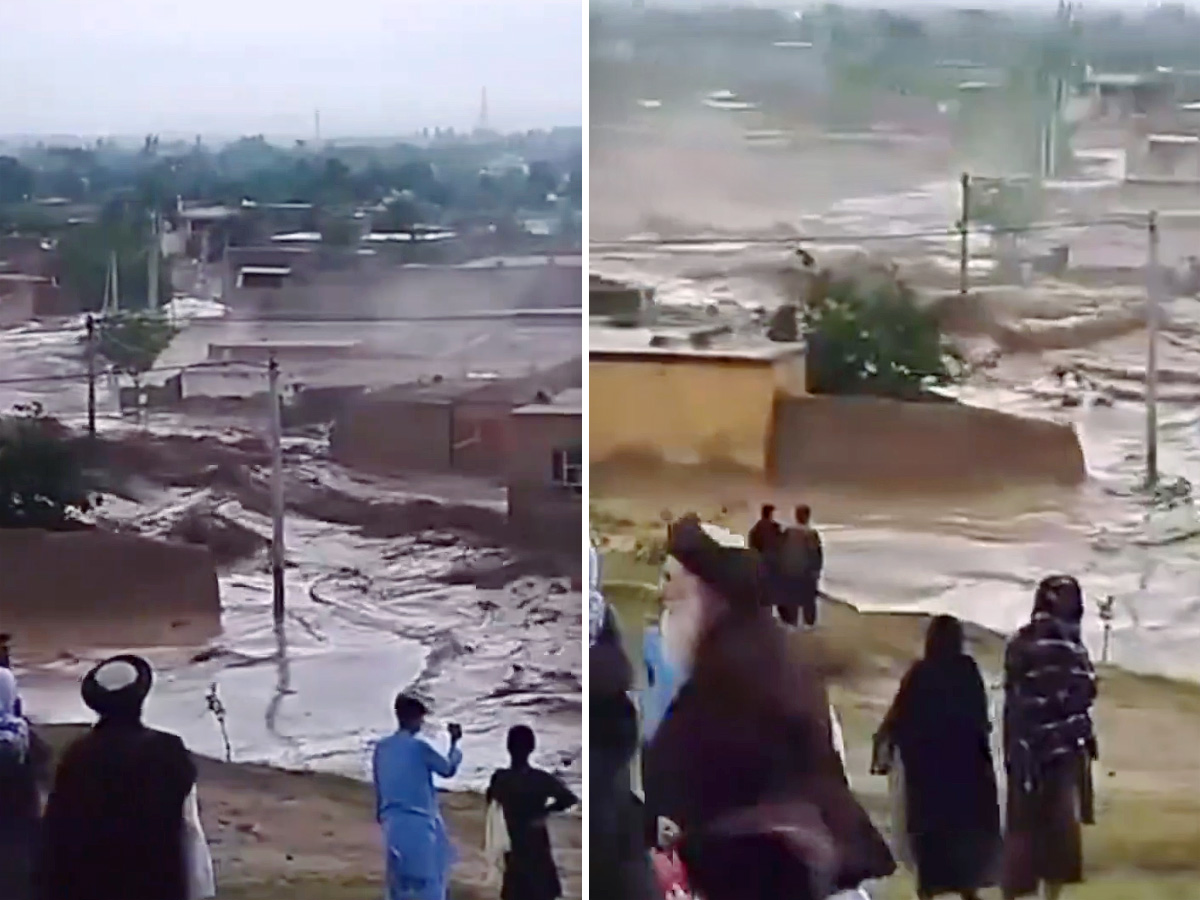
x=681 y=411
x=376 y=434
x=98 y=575
x=863 y=440
x=418 y=291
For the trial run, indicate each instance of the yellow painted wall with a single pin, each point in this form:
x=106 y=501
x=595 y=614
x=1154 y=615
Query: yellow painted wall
x=684 y=412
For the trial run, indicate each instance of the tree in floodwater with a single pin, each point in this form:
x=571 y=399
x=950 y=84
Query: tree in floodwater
x=133 y=341
x=43 y=481
x=869 y=334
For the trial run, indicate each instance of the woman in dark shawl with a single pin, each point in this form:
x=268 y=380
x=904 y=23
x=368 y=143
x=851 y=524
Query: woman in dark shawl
x=939 y=724
x=1049 y=689
x=114 y=822
x=527 y=796
x=618 y=857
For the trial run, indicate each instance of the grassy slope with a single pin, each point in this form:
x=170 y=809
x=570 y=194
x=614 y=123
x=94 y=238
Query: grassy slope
x=1147 y=839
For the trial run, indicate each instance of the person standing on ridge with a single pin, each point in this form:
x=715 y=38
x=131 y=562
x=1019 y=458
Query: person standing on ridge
x=801 y=562
x=418 y=848
x=618 y=858
x=527 y=796
x=744 y=762
x=122 y=818
x=1049 y=740
x=938 y=725
x=766 y=537
x=24 y=769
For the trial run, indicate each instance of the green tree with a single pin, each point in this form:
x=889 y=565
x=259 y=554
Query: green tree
x=43 y=483
x=85 y=253
x=133 y=341
x=872 y=336
x=16 y=180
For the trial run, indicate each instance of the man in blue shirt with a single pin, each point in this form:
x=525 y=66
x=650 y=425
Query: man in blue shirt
x=419 y=852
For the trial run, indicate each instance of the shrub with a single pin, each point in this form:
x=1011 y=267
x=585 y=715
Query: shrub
x=872 y=336
x=43 y=483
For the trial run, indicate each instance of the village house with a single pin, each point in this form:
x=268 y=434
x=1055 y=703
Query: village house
x=545 y=468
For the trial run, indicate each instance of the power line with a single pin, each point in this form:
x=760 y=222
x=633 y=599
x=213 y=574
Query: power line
x=83 y=376
x=1128 y=221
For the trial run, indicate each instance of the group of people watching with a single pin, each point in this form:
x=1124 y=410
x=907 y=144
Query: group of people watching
x=936 y=741
x=419 y=852
x=741 y=762
x=118 y=817
x=793 y=558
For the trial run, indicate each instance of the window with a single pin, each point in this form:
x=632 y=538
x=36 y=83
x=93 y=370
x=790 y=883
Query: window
x=566 y=469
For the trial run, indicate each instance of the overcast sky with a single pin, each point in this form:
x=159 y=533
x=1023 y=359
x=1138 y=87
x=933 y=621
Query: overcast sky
x=248 y=66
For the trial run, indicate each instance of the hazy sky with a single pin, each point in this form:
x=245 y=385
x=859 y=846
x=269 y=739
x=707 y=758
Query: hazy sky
x=249 y=66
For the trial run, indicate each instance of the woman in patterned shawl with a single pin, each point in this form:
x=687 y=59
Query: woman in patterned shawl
x=1049 y=689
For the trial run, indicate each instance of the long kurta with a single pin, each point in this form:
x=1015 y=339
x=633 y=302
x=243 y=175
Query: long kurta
x=418 y=849
x=527 y=795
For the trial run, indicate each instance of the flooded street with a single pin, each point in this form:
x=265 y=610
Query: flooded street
x=391 y=583
x=976 y=556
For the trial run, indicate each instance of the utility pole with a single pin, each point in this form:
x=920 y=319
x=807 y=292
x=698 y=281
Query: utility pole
x=152 y=263
x=277 y=549
x=91 y=376
x=116 y=282
x=1153 y=312
x=964 y=233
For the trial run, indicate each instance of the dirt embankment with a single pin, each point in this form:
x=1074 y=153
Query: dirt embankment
x=279 y=835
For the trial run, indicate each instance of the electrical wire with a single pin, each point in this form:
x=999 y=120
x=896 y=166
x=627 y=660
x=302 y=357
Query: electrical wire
x=83 y=376
x=1127 y=221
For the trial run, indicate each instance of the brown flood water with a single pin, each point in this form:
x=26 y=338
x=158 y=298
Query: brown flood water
x=978 y=556
x=377 y=596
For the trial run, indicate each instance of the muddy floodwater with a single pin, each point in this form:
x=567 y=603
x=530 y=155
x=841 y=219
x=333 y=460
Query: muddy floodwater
x=391 y=584
x=976 y=556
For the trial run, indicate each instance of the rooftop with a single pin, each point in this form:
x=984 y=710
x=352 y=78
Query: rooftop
x=566 y=403
x=207 y=213
x=1180 y=139
x=685 y=343
x=1123 y=79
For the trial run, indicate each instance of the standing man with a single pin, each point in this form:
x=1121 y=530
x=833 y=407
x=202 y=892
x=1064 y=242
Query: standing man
x=419 y=852
x=117 y=823
x=801 y=561
x=745 y=763
x=766 y=537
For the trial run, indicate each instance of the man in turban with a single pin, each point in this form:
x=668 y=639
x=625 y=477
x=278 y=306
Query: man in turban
x=121 y=817
x=744 y=760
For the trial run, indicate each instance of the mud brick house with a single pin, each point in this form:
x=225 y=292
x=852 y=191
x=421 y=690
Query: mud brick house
x=545 y=469
x=460 y=425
